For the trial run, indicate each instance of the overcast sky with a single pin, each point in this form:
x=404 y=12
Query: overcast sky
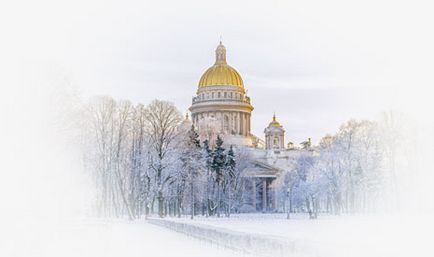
x=315 y=63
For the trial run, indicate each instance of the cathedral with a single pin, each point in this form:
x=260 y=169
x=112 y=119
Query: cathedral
x=221 y=104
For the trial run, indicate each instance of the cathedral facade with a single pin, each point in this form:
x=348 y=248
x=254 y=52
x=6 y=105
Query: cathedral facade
x=221 y=104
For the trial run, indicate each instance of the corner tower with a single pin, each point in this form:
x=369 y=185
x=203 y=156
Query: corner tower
x=221 y=102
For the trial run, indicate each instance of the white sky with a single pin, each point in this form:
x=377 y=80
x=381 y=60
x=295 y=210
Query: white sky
x=315 y=63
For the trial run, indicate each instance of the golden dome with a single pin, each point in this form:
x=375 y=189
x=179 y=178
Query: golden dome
x=221 y=73
x=274 y=123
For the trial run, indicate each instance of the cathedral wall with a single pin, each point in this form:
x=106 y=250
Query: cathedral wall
x=229 y=122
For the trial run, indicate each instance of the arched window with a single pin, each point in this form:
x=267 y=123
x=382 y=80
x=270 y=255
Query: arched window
x=218 y=95
x=226 y=95
x=276 y=142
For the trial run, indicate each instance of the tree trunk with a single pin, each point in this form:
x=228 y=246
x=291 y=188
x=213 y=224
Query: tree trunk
x=229 y=200
x=288 y=216
x=208 y=207
x=218 y=199
x=160 y=204
x=146 y=208
x=192 y=198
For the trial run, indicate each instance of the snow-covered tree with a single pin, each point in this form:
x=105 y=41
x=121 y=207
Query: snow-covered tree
x=310 y=183
x=139 y=174
x=194 y=166
x=218 y=167
x=290 y=180
x=144 y=157
x=229 y=179
x=163 y=119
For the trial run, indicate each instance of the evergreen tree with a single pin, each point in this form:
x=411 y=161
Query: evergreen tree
x=230 y=162
x=230 y=176
x=208 y=162
x=192 y=163
x=218 y=167
x=193 y=137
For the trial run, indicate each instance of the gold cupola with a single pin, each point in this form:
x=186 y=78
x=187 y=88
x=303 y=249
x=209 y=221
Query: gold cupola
x=274 y=122
x=221 y=74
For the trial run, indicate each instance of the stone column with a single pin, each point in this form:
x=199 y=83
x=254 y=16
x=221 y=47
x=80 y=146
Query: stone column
x=274 y=199
x=237 y=121
x=246 y=118
x=240 y=127
x=234 y=120
x=240 y=115
x=254 y=193
x=248 y=124
x=245 y=124
x=264 y=194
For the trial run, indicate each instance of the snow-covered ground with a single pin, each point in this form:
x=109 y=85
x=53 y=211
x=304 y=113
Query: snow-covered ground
x=95 y=238
x=346 y=236
x=335 y=236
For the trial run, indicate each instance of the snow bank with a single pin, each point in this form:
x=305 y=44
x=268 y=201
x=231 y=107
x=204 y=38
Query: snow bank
x=105 y=238
x=344 y=236
x=249 y=243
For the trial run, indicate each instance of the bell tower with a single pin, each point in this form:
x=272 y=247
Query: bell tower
x=274 y=136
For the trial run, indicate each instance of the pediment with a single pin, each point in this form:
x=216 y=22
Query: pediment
x=261 y=169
